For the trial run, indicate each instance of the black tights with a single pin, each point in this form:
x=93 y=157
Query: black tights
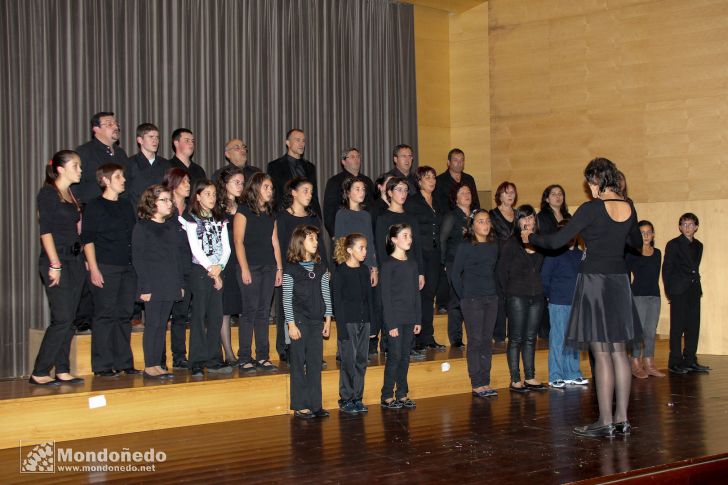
x=613 y=375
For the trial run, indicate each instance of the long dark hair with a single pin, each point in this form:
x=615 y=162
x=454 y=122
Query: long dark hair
x=252 y=193
x=545 y=206
x=196 y=208
x=222 y=194
x=526 y=210
x=60 y=159
x=294 y=184
x=394 y=231
x=469 y=233
x=346 y=186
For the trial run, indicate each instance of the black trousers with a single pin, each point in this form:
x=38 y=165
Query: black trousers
x=432 y=278
x=443 y=289
x=178 y=326
x=85 y=308
x=280 y=320
x=155 y=330
x=353 y=367
x=305 y=356
x=524 y=317
x=684 y=321
x=499 y=332
x=63 y=300
x=454 y=317
x=256 y=312
x=113 y=309
x=480 y=313
x=397 y=363
x=206 y=320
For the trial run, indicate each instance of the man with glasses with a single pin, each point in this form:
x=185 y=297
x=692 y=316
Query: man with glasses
x=102 y=149
x=236 y=153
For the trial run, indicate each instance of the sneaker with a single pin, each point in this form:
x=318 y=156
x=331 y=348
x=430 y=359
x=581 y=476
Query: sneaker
x=393 y=404
x=442 y=311
x=348 y=407
x=220 y=369
x=579 y=381
x=414 y=355
x=197 y=372
x=180 y=365
x=360 y=407
x=557 y=384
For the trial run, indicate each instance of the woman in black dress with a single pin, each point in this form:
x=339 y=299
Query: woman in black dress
x=606 y=224
x=61 y=267
x=230 y=185
x=503 y=219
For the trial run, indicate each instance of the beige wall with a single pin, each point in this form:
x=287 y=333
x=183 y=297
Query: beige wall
x=640 y=82
x=453 y=107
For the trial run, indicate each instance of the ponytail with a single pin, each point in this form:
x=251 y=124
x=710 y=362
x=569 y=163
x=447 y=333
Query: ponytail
x=60 y=159
x=344 y=243
x=394 y=231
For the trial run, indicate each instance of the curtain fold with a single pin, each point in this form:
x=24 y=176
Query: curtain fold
x=342 y=70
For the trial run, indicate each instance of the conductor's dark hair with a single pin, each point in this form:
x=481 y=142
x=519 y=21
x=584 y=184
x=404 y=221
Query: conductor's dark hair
x=604 y=174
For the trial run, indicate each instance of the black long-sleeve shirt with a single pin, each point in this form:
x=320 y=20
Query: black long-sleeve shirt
x=400 y=293
x=140 y=174
x=353 y=299
x=387 y=219
x=195 y=171
x=287 y=223
x=519 y=272
x=503 y=228
x=473 y=270
x=604 y=237
x=94 y=154
x=158 y=268
x=445 y=183
x=108 y=224
x=428 y=218
x=451 y=234
x=333 y=197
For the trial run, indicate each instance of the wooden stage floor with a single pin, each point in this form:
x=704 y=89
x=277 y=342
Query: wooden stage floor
x=678 y=420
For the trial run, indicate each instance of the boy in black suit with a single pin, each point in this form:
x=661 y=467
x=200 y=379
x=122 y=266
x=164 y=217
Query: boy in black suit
x=681 y=277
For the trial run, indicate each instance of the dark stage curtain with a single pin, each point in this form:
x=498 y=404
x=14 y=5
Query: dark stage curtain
x=342 y=70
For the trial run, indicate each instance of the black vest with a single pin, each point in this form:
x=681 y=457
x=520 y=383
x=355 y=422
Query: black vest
x=308 y=301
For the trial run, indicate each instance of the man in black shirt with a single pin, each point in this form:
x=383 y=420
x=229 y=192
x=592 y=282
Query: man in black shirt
x=403 y=161
x=103 y=148
x=146 y=167
x=291 y=165
x=454 y=175
x=183 y=145
x=350 y=164
x=236 y=153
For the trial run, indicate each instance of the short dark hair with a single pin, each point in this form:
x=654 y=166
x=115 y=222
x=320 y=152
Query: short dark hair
x=177 y=134
x=292 y=131
x=295 y=253
x=604 y=174
x=526 y=210
x=422 y=171
x=148 y=201
x=96 y=118
x=453 y=195
x=396 y=149
x=391 y=184
x=455 y=151
x=689 y=216
x=502 y=188
x=346 y=151
x=106 y=170
x=145 y=128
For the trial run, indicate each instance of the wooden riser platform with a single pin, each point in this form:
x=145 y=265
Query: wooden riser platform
x=81 y=346
x=134 y=404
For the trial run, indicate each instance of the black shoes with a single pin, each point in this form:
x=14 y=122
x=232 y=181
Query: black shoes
x=435 y=346
x=131 y=371
x=302 y=415
x=678 y=369
x=623 y=428
x=181 y=365
x=247 y=367
x=522 y=389
x=321 y=413
x=73 y=380
x=47 y=384
x=106 y=373
x=695 y=367
x=535 y=387
x=197 y=372
x=408 y=403
x=458 y=344
x=414 y=355
x=266 y=365
x=393 y=404
x=596 y=431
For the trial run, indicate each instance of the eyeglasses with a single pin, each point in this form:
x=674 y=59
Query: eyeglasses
x=166 y=199
x=401 y=190
x=429 y=176
x=687 y=224
x=237 y=148
x=109 y=123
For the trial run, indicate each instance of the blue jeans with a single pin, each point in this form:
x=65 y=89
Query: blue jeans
x=563 y=361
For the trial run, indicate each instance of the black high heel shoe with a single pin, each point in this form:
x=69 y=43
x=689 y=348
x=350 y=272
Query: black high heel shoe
x=623 y=428
x=595 y=431
x=49 y=383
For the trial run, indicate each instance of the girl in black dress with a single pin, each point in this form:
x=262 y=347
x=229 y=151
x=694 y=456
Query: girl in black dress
x=160 y=279
x=606 y=224
x=230 y=185
x=61 y=267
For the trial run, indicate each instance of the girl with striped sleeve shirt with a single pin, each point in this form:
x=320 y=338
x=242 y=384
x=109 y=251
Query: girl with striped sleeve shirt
x=307 y=308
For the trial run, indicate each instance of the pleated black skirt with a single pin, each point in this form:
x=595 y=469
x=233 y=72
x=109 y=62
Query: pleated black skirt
x=603 y=311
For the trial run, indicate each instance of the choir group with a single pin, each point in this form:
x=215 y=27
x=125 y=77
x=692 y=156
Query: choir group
x=120 y=234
